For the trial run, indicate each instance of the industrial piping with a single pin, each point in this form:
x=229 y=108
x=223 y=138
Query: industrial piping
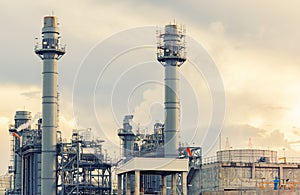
x=50 y=51
x=171 y=54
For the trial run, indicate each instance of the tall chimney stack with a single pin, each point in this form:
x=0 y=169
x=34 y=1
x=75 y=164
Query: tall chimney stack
x=171 y=54
x=50 y=51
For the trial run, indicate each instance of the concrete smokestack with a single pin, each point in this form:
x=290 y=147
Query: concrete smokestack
x=171 y=54
x=50 y=51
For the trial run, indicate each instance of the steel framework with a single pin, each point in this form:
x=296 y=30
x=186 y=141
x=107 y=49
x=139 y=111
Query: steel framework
x=82 y=169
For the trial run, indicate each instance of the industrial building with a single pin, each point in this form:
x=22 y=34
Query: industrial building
x=81 y=165
x=181 y=170
x=42 y=163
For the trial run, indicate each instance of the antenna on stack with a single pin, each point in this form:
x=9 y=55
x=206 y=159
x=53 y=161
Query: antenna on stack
x=227 y=146
x=250 y=143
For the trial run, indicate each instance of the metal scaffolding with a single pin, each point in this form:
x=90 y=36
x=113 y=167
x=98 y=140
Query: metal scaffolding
x=82 y=168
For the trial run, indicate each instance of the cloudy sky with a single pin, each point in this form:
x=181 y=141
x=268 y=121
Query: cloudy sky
x=248 y=48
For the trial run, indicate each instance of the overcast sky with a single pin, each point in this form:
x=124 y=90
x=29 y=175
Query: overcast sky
x=251 y=48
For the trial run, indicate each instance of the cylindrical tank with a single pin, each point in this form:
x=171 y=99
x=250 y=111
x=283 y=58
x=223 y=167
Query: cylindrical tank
x=127 y=136
x=21 y=118
x=247 y=156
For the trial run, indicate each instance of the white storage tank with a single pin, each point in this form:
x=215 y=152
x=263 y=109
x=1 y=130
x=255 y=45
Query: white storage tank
x=247 y=156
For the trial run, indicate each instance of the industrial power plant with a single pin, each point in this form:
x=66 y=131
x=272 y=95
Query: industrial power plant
x=153 y=163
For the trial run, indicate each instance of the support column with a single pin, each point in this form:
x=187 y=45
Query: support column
x=137 y=182
x=128 y=191
x=120 y=184
x=281 y=181
x=253 y=171
x=184 y=182
x=174 y=183
x=164 y=184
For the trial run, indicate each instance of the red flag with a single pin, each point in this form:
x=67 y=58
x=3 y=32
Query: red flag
x=16 y=135
x=188 y=150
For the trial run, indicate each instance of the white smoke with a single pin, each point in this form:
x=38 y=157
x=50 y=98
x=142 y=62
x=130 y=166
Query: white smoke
x=26 y=125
